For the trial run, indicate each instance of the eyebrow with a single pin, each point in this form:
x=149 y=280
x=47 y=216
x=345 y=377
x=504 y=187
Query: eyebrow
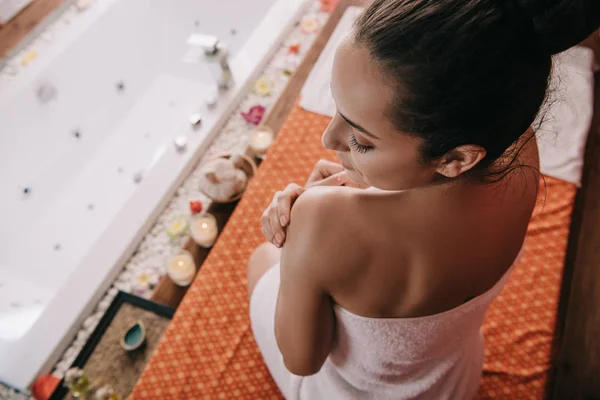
x=358 y=127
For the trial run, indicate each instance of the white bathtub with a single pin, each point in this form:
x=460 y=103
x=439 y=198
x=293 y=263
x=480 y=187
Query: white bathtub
x=62 y=243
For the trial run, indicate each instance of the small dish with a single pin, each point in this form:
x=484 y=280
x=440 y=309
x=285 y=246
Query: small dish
x=134 y=337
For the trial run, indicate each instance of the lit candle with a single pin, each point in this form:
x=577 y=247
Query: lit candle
x=260 y=140
x=181 y=268
x=204 y=230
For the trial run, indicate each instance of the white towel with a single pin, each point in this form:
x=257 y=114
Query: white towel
x=315 y=94
x=568 y=115
x=435 y=357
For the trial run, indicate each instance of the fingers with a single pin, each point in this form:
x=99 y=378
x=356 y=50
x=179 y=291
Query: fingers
x=324 y=169
x=339 y=179
x=277 y=216
x=284 y=202
x=276 y=228
x=265 y=223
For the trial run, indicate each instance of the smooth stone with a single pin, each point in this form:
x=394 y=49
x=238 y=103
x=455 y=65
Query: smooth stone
x=80 y=341
x=62 y=367
x=89 y=323
x=81 y=335
x=103 y=305
x=59 y=374
x=113 y=291
x=162 y=240
x=142 y=257
x=71 y=352
x=125 y=276
x=123 y=286
x=91 y=328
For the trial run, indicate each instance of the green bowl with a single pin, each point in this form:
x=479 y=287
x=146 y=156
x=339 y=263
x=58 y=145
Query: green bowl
x=134 y=337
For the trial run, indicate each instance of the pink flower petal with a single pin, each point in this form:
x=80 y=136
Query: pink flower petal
x=254 y=115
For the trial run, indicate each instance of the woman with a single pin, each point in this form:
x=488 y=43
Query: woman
x=380 y=292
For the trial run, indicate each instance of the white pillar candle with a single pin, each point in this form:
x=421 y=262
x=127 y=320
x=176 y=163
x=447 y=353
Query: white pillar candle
x=204 y=230
x=260 y=140
x=181 y=268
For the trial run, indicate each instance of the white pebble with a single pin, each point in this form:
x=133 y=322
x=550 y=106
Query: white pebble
x=125 y=276
x=81 y=335
x=80 y=341
x=56 y=372
x=131 y=266
x=88 y=323
x=144 y=246
x=70 y=353
x=162 y=240
x=78 y=346
x=104 y=304
x=71 y=360
x=113 y=291
x=123 y=286
x=62 y=367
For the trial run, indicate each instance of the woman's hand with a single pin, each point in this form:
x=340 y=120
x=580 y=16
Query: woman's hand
x=277 y=216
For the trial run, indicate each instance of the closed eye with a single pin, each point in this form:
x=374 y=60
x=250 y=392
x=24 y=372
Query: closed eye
x=360 y=148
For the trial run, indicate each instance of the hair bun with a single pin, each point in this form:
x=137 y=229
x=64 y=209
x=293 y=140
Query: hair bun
x=561 y=24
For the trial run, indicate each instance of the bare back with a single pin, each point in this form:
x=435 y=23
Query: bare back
x=425 y=251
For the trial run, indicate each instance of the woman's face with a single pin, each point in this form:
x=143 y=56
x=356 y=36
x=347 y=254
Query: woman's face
x=373 y=152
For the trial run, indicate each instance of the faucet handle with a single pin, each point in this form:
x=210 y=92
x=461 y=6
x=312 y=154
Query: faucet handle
x=208 y=43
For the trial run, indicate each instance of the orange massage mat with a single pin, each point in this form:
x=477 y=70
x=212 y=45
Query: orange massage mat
x=208 y=351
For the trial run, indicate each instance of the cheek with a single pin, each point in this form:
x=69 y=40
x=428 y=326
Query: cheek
x=391 y=170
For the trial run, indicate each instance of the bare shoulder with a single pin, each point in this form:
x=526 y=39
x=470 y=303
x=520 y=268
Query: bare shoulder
x=326 y=201
x=321 y=229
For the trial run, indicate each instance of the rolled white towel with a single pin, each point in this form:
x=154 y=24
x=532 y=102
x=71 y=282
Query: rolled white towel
x=567 y=115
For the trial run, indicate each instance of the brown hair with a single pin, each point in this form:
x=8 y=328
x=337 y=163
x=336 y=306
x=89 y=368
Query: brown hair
x=470 y=71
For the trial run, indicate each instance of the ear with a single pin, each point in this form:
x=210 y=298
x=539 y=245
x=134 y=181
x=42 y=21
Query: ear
x=460 y=160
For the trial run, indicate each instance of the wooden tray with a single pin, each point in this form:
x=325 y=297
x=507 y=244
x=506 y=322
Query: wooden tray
x=103 y=358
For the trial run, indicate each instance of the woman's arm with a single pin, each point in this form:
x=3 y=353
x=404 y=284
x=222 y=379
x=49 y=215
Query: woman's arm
x=276 y=217
x=304 y=320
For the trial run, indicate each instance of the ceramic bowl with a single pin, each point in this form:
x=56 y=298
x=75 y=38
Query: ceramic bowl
x=134 y=336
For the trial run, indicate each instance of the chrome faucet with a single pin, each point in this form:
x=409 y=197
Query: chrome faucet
x=216 y=55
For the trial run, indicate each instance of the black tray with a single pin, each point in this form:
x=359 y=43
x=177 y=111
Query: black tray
x=121 y=298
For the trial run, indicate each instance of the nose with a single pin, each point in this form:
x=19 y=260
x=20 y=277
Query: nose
x=335 y=136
